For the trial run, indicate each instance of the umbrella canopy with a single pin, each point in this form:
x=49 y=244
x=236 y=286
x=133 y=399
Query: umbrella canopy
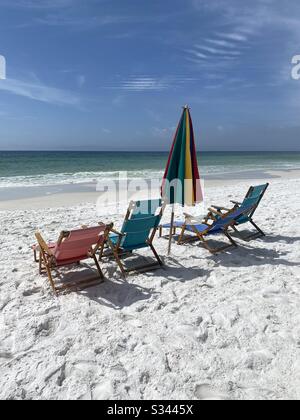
x=181 y=182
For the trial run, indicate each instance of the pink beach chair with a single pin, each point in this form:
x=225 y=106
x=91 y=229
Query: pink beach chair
x=73 y=247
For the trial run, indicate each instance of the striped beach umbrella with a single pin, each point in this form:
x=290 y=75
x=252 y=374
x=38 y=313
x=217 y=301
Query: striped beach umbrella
x=181 y=182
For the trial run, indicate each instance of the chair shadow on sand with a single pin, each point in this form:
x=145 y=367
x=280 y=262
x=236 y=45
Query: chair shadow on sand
x=278 y=238
x=178 y=272
x=173 y=270
x=246 y=256
x=269 y=238
x=119 y=293
x=116 y=294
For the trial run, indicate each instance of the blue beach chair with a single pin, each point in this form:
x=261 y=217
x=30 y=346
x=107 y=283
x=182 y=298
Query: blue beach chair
x=256 y=193
x=138 y=231
x=220 y=225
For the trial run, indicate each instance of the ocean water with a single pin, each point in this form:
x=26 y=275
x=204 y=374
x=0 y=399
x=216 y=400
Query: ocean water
x=24 y=169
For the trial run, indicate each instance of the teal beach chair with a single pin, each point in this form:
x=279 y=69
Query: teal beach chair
x=138 y=231
x=256 y=193
x=220 y=225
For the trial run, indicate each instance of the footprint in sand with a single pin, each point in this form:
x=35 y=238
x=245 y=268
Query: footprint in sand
x=205 y=392
x=46 y=328
x=31 y=292
x=103 y=391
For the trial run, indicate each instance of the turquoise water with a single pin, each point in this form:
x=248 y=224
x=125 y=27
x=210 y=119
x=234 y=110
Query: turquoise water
x=21 y=169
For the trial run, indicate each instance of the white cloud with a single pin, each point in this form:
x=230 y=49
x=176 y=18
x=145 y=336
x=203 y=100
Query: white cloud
x=217 y=51
x=145 y=83
x=39 y=92
x=233 y=36
x=221 y=43
x=151 y=83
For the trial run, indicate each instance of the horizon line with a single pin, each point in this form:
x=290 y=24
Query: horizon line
x=147 y=151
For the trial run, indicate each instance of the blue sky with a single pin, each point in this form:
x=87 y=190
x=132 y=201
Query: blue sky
x=114 y=74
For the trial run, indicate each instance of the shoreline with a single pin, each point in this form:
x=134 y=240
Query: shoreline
x=52 y=196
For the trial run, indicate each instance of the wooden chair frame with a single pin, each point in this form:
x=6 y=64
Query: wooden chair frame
x=47 y=262
x=259 y=232
x=117 y=252
x=189 y=222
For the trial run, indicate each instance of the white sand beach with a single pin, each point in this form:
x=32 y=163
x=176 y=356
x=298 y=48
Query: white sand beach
x=204 y=327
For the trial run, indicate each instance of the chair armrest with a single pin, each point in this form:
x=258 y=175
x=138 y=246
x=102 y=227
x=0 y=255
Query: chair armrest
x=117 y=232
x=220 y=208
x=43 y=245
x=213 y=211
x=190 y=217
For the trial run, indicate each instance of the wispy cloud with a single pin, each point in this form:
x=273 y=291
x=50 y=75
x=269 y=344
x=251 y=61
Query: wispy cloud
x=233 y=36
x=38 y=4
x=106 y=131
x=144 y=83
x=80 y=22
x=39 y=92
x=87 y=18
x=221 y=43
x=163 y=132
x=216 y=51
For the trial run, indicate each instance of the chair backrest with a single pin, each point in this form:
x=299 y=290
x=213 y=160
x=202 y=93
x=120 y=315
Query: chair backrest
x=137 y=231
x=242 y=211
x=143 y=209
x=78 y=243
x=256 y=193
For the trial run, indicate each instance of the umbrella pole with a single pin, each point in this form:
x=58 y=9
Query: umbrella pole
x=171 y=230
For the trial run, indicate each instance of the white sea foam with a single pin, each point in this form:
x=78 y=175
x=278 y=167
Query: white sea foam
x=94 y=177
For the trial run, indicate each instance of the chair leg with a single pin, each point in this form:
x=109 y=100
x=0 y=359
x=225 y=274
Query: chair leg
x=48 y=269
x=257 y=228
x=118 y=260
x=216 y=250
x=237 y=232
x=36 y=259
x=258 y=232
x=207 y=246
x=156 y=254
x=101 y=275
x=181 y=235
x=40 y=263
x=226 y=233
